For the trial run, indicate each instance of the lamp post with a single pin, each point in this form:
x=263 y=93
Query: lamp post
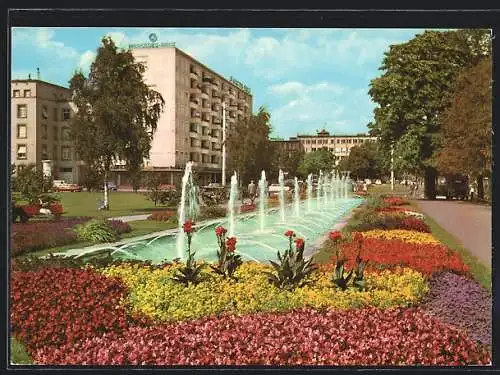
x=223 y=143
x=392 y=166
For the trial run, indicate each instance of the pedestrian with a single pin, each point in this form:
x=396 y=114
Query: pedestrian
x=252 y=189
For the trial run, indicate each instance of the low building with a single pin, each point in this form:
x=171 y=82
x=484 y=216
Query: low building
x=40 y=113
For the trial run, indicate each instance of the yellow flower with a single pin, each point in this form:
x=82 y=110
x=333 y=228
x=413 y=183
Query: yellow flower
x=403 y=235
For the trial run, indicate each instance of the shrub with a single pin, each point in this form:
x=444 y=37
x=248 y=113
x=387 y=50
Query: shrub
x=162 y=215
x=248 y=207
x=365 y=337
x=56 y=306
x=120 y=227
x=212 y=212
x=96 y=231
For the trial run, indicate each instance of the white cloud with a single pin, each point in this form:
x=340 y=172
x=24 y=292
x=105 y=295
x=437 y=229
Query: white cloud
x=298 y=88
x=120 y=39
x=86 y=60
x=44 y=39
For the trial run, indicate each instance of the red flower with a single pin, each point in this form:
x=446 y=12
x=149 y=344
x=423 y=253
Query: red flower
x=231 y=244
x=290 y=233
x=335 y=236
x=299 y=243
x=220 y=230
x=188 y=226
x=358 y=237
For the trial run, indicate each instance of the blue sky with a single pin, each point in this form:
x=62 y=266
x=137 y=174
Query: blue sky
x=307 y=78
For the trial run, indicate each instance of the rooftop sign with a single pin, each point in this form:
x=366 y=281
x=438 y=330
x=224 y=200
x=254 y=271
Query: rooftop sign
x=153 y=39
x=240 y=85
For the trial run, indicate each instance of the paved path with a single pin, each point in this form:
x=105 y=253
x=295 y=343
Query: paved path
x=130 y=218
x=470 y=223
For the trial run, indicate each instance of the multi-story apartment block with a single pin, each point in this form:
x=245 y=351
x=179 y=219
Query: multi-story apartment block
x=190 y=127
x=40 y=130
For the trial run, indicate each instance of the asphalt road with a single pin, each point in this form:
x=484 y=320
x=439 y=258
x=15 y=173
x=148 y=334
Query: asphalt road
x=470 y=223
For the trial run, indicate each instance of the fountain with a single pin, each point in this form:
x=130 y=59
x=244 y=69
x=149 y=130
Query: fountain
x=296 y=194
x=262 y=200
x=319 y=188
x=309 y=192
x=326 y=189
x=259 y=234
x=233 y=196
x=281 y=180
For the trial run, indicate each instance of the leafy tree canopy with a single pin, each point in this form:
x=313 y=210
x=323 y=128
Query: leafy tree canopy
x=315 y=161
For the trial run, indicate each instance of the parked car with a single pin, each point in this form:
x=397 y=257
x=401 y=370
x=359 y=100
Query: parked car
x=378 y=182
x=61 y=185
x=111 y=186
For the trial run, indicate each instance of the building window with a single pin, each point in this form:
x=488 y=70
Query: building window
x=21 y=131
x=193 y=128
x=332 y=141
x=193 y=156
x=194 y=142
x=214 y=159
x=205 y=144
x=54 y=114
x=54 y=153
x=65 y=114
x=45 y=154
x=338 y=140
x=17 y=93
x=65 y=170
x=44 y=131
x=65 y=136
x=314 y=148
x=21 y=152
x=27 y=93
x=22 y=111
x=65 y=153
x=45 y=112
x=204 y=130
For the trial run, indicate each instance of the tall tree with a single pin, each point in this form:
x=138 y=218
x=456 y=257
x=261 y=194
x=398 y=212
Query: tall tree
x=467 y=125
x=315 y=161
x=289 y=161
x=414 y=90
x=363 y=161
x=117 y=113
x=249 y=148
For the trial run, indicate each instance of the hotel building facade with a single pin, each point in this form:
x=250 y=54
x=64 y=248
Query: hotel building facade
x=40 y=112
x=190 y=127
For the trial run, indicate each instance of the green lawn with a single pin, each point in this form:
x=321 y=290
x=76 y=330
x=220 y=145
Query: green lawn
x=120 y=204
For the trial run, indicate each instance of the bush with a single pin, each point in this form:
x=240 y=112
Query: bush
x=120 y=227
x=212 y=212
x=96 y=231
x=163 y=215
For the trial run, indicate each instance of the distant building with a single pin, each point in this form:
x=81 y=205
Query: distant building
x=339 y=145
x=190 y=128
x=289 y=146
x=40 y=130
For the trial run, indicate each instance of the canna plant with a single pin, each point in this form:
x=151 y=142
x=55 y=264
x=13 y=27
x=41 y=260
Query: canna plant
x=292 y=270
x=191 y=272
x=358 y=280
x=341 y=277
x=229 y=261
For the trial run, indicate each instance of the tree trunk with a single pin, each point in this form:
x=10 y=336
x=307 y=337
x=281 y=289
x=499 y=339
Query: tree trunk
x=106 y=199
x=430 y=183
x=480 y=187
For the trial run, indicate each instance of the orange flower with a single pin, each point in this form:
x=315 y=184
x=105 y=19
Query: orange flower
x=188 y=226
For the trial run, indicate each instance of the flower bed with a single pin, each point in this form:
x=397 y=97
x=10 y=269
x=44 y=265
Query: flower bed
x=422 y=257
x=461 y=302
x=56 y=306
x=156 y=295
x=248 y=207
x=369 y=336
x=40 y=235
x=395 y=201
x=402 y=235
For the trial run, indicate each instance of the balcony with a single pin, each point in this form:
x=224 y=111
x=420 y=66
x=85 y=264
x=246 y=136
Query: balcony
x=215 y=86
x=217 y=122
x=205 y=94
x=193 y=103
x=216 y=107
x=232 y=94
x=232 y=114
x=232 y=103
x=195 y=114
x=196 y=89
x=193 y=75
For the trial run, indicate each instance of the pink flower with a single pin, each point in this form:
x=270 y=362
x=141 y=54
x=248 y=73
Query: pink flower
x=220 y=230
x=290 y=233
x=335 y=236
x=188 y=226
x=231 y=244
x=299 y=243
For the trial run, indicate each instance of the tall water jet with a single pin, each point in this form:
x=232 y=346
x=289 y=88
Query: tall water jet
x=281 y=180
x=296 y=194
x=186 y=194
x=233 y=197
x=262 y=200
x=326 y=184
x=319 y=189
x=346 y=187
x=332 y=186
x=309 y=191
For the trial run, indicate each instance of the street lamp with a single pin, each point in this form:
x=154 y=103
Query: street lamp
x=223 y=143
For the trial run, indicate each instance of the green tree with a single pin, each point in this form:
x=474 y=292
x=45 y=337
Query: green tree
x=249 y=149
x=363 y=161
x=92 y=177
x=315 y=161
x=467 y=125
x=117 y=113
x=289 y=161
x=30 y=182
x=414 y=90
